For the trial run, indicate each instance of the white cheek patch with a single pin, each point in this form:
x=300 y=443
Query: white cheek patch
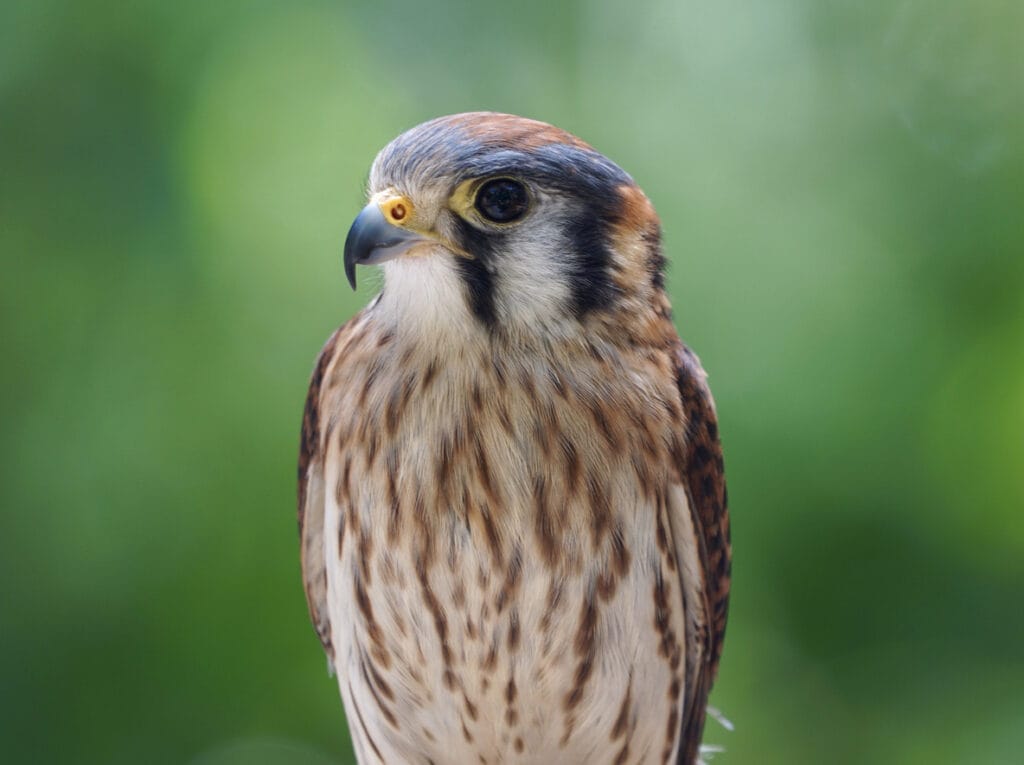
x=532 y=280
x=535 y=267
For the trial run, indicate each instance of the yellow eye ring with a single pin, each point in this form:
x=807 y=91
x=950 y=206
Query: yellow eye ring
x=397 y=210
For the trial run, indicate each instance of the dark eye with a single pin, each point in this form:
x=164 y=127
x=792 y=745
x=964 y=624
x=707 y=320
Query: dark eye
x=502 y=200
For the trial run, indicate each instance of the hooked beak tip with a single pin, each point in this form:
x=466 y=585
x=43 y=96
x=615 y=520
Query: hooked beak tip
x=372 y=239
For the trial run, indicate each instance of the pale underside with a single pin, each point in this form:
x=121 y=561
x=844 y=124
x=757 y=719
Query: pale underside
x=508 y=577
x=509 y=707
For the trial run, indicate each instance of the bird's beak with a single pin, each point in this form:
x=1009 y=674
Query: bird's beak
x=374 y=236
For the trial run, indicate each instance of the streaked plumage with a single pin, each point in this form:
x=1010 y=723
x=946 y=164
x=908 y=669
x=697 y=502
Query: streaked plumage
x=515 y=542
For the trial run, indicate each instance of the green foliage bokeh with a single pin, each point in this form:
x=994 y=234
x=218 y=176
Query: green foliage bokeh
x=841 y=186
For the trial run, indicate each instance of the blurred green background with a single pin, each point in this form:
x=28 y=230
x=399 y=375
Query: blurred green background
x=842 y=187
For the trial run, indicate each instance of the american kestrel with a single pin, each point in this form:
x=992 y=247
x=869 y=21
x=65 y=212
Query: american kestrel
x=512 y=508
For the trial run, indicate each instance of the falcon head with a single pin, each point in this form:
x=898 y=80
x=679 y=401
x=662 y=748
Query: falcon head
x=514 y=224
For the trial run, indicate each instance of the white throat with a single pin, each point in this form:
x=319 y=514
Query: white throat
x=424 y=298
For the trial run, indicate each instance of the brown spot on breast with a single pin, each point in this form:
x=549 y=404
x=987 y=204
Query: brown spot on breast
x=511 y=714
x=470 y=707
x=394 y=519
x=491 y=660
x=371 y=379
x=600 y=507
x=622 y=720
x=425 y=544
x=527 y=384
x=491 y=535
x=544 y=523
x=585 y=646
x=571 y=458
x=365 y=554
x=430 y=374
x=484 y=470
x=603 y=420
x=511 y=583
x=505 y=419
x=373 y=631
x=372 y=445
x=513 y=631
x=476 y=398
x=440 y=621
x=385 y=710
x=500 y=373
x=642 y=467
x=397 y=402
x=620 y=553
x=443 y=471
x=554 y=598
x=605 y=585
x=542 y=432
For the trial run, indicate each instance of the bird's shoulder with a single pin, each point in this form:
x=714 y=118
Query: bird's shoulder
x=702 y=469
x=311 y=499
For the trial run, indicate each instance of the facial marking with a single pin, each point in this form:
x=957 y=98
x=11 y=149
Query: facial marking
x=533 y=211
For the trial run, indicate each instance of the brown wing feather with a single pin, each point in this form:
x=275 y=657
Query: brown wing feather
x=311 y=500
x=703 y=473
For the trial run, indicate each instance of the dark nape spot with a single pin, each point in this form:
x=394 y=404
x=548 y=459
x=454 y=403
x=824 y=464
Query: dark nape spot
x=656 y=258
